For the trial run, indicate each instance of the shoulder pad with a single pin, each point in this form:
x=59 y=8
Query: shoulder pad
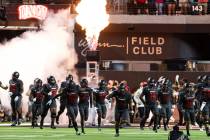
x=20 y=81
x=33 y=89
x=31 y=86
x=63 y=84
x=90 y=89
x=46 y=86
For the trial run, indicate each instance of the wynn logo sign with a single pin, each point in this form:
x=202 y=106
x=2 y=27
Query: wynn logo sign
x=32 y=11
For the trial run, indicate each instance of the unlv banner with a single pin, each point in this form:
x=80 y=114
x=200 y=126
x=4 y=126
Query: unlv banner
x=146 y=46
x=32 y=11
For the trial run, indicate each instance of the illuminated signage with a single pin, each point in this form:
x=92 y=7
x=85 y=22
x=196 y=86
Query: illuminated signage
x=32 y=11
x=132 y=45
x=145 y=45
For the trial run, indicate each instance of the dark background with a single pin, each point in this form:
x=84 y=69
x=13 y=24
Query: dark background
x=194 y=46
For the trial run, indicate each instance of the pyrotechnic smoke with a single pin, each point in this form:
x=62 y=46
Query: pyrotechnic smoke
x=49 y=51
x=93 y=18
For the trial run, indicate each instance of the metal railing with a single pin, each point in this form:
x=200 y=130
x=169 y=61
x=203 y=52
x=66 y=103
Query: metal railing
x=132 y=7
x=3 y=2
x=159 y=7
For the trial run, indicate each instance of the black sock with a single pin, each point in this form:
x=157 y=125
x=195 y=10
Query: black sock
x=117 y=130
x=99 y=121
x=75 y=126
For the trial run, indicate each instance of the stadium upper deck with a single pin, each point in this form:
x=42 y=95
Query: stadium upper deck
x=121 y=11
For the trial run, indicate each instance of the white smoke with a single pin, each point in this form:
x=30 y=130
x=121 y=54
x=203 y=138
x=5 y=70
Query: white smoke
x=49 y=51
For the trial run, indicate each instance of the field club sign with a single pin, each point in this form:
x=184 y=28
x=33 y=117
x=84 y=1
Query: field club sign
x=32 y=11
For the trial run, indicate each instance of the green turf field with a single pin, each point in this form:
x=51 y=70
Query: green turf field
x=27 y=133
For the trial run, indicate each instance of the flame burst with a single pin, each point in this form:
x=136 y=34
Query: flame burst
x=93 y=18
